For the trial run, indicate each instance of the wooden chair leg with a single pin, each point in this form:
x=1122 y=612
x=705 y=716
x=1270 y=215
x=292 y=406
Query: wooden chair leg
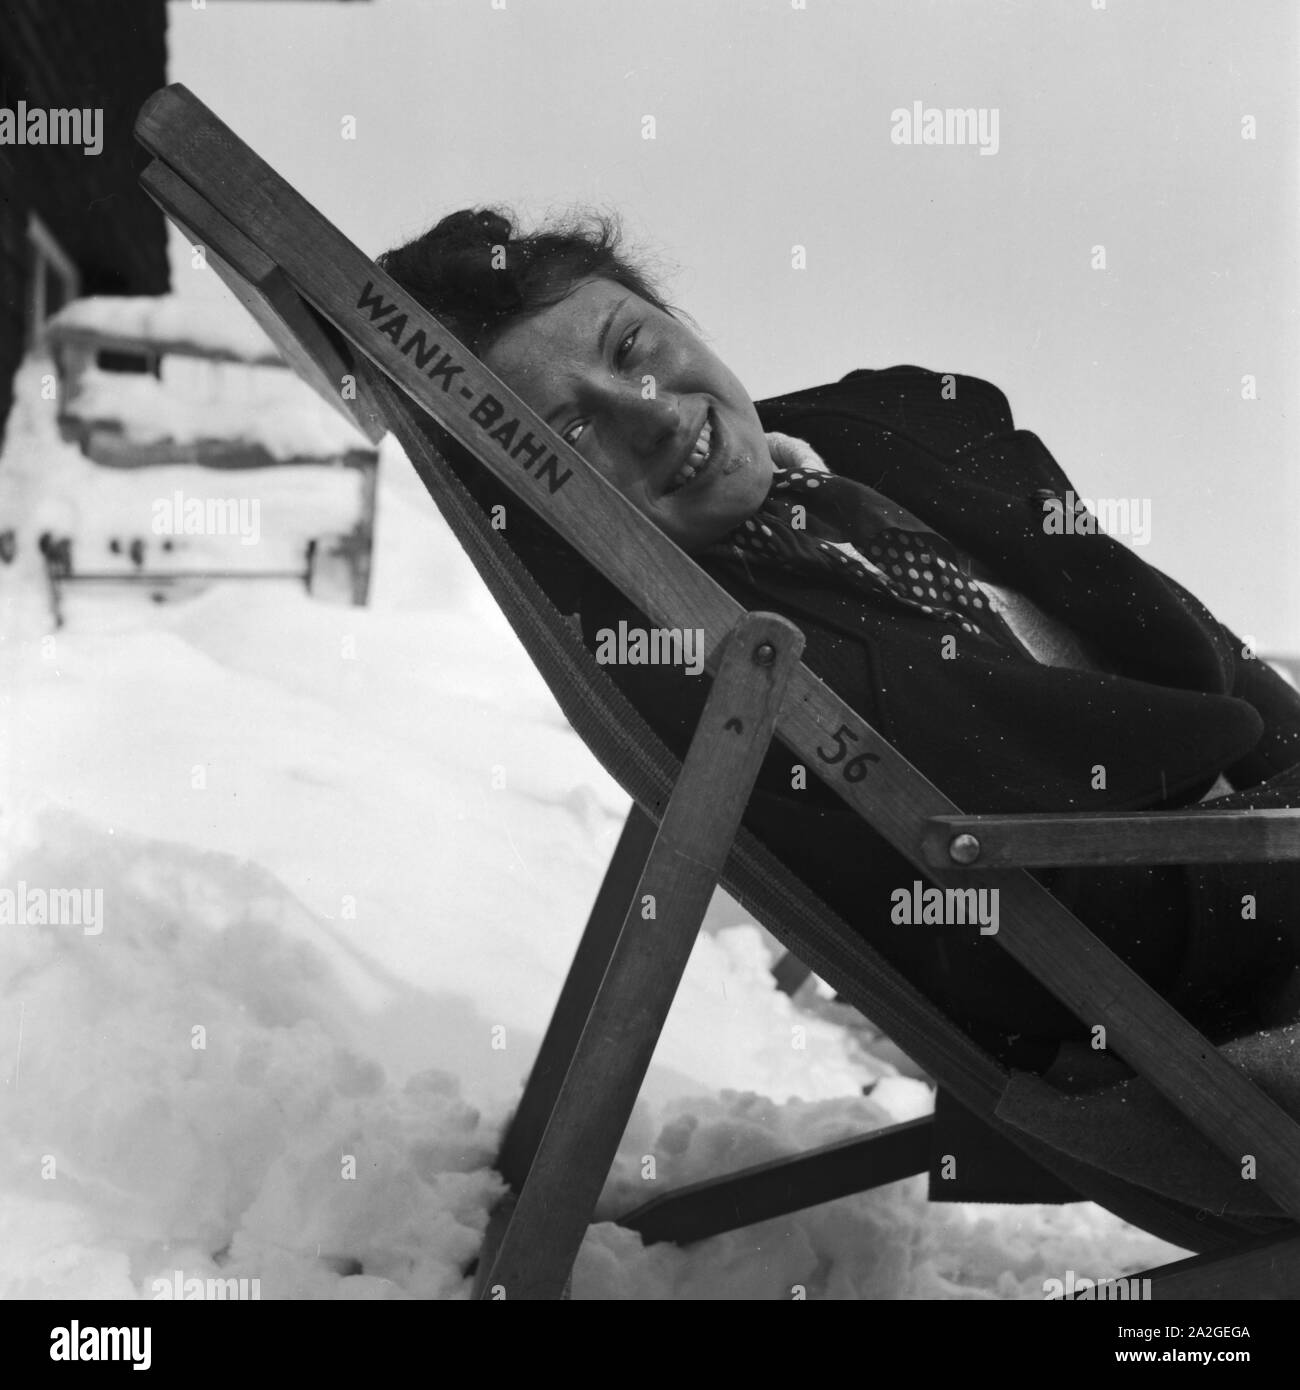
x=784 y=1185
x=790 y=973
x=618 y=1040
x=1260 y=1269
x=590 y=962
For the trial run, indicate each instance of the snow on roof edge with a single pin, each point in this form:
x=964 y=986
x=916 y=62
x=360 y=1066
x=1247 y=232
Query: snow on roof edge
x=205 y=327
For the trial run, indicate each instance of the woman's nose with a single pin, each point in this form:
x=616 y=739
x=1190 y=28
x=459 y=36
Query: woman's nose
x=646 y=422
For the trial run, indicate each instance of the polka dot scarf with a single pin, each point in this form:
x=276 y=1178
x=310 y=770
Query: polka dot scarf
x=869 y=542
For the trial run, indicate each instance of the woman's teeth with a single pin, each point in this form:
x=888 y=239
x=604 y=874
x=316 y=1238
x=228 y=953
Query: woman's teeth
x=698 y=459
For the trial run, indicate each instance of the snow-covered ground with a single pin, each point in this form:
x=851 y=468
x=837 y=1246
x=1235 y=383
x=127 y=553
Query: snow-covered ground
x=345 y=856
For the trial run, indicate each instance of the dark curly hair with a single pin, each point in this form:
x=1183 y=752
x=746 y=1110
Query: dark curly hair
x=478 y=272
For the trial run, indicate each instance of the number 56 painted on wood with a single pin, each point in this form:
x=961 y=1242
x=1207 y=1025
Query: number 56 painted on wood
x=856 y=768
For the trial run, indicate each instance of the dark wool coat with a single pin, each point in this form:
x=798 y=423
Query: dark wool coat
x=999 y=732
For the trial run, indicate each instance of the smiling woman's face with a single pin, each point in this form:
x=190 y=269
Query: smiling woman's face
x=691 y=455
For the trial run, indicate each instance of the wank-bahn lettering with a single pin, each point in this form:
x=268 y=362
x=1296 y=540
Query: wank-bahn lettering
x=523 y=447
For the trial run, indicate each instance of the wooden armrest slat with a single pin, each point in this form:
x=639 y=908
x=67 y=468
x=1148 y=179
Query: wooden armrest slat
x=1097 y=837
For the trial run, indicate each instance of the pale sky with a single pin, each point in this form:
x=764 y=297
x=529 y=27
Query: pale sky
x=1118 y=127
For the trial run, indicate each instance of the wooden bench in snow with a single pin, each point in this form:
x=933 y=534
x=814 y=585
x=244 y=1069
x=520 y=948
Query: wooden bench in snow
x=165 y=381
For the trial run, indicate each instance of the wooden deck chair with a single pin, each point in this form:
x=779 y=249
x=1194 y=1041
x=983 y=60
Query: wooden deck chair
x=373 y=351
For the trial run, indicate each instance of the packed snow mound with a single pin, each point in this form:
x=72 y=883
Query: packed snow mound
x=198 y=1088
x=191 y=1086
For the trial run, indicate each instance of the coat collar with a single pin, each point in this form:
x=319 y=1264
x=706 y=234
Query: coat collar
x=985 y=490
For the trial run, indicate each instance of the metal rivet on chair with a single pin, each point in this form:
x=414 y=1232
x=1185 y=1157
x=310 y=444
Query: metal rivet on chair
x=964 y=849
x=764 y=654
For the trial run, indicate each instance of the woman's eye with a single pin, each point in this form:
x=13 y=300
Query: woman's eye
x=573 y=433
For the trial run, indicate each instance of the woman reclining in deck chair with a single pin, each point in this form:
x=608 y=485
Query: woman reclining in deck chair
x=948 y=591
